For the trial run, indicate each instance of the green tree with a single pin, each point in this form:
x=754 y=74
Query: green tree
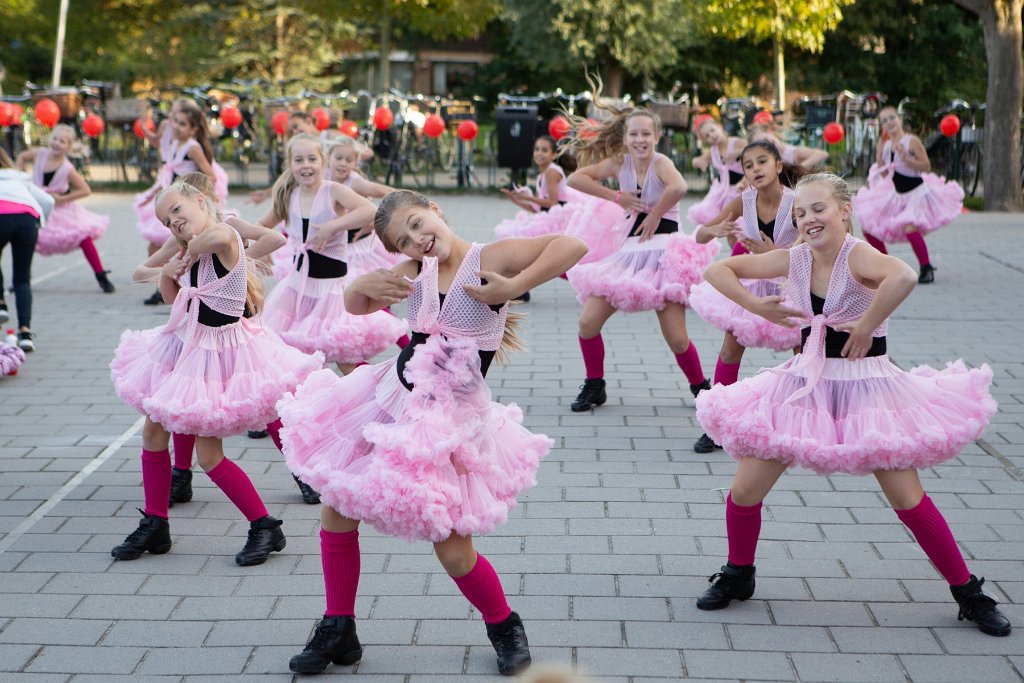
x=800 y=23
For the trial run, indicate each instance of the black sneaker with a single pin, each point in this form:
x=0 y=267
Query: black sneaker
x=697 y=388
x=591 y=394
x=4 y=313
x=732 y=583
x=509 y=640
x=156 y=299
x=153 y=535
x=106 y=285
x=334 y=640
x=309 y=496
x=257 y=434
x=704 y=444
x=25 y=342
x=265 y=537
x=927 y=275
x=980 y=608
x=181 y=486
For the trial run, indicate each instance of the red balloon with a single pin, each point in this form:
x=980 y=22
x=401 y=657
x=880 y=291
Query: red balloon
x=383 y=118
x=833 y=132
x=6 y=114
x=47 y=112
x=321 y=118
x=92 y=125
x=559 y=127
x=349 y=128
x=279 y=122
x=16 y=113
x=467 y=130
x=137 y=127
x=949 y=125
x=590 y=130
x=434 y=126
x=764 y=117
x=231 y=117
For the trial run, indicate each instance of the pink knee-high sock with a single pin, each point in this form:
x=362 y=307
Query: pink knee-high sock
x=237 y=486
x=916 y=240
x=935 y=538
x=156 y=481
x=403 y=341
x=91 y=255
x=274 y=430
x=738 y=250
x=726 y=373
x=689 y=362
x=482 y=588
x=743 y=526
x=876 y=243
x=183 y=447
x=339 y=555
x=593 y=356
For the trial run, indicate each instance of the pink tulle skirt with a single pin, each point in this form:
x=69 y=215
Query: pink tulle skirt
x=11 y=358
x=220 y=183
x=720 y=193
x=150 y=227
x=313 y=318
x=886 y=214
x=223 y=381
x=422 y=465
x=645 y=276
x=367 y=255
x=70 y=223
x=861 y=416
x=751 y=330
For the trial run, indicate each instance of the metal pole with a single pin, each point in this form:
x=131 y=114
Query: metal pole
x=58 y=56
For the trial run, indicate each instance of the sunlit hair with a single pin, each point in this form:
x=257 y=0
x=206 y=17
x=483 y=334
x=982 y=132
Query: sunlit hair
x=790 y=174
x=838 y=188
x=202 y=182
x=282 y=190
x=197 y=119
x=254 y=294
x=400 y=199
x=605 y=140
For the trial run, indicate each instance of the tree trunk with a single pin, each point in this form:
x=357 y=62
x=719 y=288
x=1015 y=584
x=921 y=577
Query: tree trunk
x=613 y=78
x=385 y=52
x=780 y=72
x=279 y=47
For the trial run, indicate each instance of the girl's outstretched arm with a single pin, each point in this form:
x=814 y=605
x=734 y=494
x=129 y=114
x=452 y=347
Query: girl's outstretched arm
x=517 y=265
x=149 y=270
x=725 y=277
x=262 y=240
x=374 y=291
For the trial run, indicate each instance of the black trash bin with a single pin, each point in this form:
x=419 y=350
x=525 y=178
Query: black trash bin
x=517 y=131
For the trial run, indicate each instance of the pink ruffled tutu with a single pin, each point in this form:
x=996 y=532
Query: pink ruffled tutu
x=150 y=227
x=599 y=223
x=751 y=330
x=367 y=255
x=720 y=193
x=220 y=183
x=421 y=464
x=223 y=381
x=885 y=214
x=282 y=262
x=860 y=416
x=11 y=358
x=313 y=318
x=645 y=276
x=70 y=223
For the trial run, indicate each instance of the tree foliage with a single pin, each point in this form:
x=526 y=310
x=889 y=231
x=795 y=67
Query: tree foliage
x=800 y=23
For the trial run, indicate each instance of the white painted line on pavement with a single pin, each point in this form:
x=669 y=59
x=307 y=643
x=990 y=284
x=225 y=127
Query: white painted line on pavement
x=40 y=512
x=54 y=273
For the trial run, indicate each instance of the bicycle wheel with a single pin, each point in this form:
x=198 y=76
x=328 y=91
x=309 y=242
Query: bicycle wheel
x=445 y=159
x=418 y=154
x=970 y=167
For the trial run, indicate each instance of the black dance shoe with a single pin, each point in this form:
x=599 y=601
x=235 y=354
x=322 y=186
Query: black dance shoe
x=591 y=394
x=334 y=641
x=697 y=388
x=106 y=285
x=980 y=608
x=732 y=583
x=705 y=444
x=153 y=535
x=309 y=496
x=927 y=275
x=181 y=486
x=509 y=640
x=155 y=299
x=257 y=434
x=265 y=537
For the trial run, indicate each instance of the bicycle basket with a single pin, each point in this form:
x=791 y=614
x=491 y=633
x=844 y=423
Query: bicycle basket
x=458 y=110
x=671 y=115
x=124 y=111
x=68 y=101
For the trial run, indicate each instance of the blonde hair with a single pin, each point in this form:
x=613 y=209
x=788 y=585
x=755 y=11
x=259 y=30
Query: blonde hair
x=399 y=199
x=284 y=185
x=76 y=148
x=347 y=142
x=254 y=294
x=605 y=140
x=838 y=188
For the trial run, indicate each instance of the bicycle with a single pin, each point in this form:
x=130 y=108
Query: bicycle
x=859 y=115
x=960 y=155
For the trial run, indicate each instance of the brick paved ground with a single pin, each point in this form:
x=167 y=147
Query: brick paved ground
x=603 y=559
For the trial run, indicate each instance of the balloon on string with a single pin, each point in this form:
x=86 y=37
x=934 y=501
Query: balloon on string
x=231 y=117
x=279 y=122
x=559 y=127
x=949 y=125
x=137 y=127
x=764 y=118
x=6 y=114
x=467 y=130
x=321 y=118
x=349 y=128
x=47 y=112
x=433 y=126
x=92 y=125
x=16 y=113
x=383 y=118
x=833 y=133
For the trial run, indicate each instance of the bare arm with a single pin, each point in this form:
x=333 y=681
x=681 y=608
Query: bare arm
x=588 y=180
x=78 y=188
x=357 y=213
x=514 y=266
x=368 y=188
x=25 y=158
x=809 y=158
x=553 y=180
x=374 y=291
x=153 y=136
x=197 y=155
x=722 y=224
x=149 y=270
x=262 y=241
x=917 y=156
x=725 y=277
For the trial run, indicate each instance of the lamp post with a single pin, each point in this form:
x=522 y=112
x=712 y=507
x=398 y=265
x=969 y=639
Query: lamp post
x=58 y=57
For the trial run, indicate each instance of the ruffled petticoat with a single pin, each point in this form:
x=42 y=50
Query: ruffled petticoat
x=367 y=255
x=315 y=319
x=720 y=193
x=70 y=223
x=885 y=214
x=441 y=459
x=645 y=276
x=751 y=330
x=860 y=416
x=223 y=381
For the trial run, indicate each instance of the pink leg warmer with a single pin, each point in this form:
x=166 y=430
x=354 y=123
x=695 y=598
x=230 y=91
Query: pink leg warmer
x=339 y=554
x=916 y=240
x=876 y=243
x=156 y=481
x=482 y=588
x=936 y=540
x=689 y=362
x=184 y=444
x=274 y=430
x=726 y=373
x=91 y=255
x=237 y=486
x=593 y=356
x=743 y=526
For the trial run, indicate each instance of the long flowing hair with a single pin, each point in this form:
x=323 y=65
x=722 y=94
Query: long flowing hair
x=284 y=185
x=595 y=142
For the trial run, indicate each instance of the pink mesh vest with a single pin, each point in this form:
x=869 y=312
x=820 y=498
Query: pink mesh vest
x=890 y=157
x=461 y=315
x=652 y=189
x=177 y=163
x=321 y=212
x=542 y=184
x=785 y=232
x=719 y=164
x=59 y=183
x=222 y=294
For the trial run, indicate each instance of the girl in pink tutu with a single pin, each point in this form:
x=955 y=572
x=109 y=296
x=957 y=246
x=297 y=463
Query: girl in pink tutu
x=210 y=371
x=766 y=223
x=657 y=263
x=70 y=226
x=308 y=307
x=415 y=446
x=902 y=201
x=841 y=405
x=723 y=155
x=806 y=158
